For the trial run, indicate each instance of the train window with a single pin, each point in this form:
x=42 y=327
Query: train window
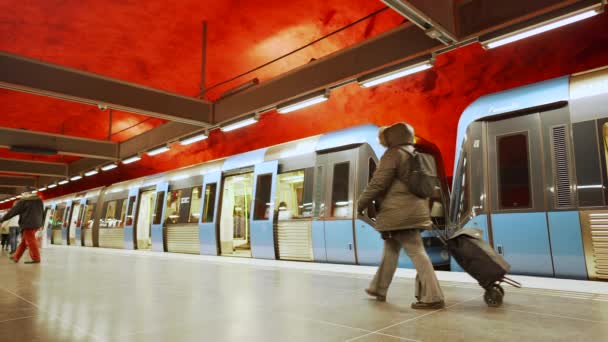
x=514 y=172
x=341 y=205
x=130 y=212
x=263 y=191
x=371 y=210
x=319 y=207
x=123 y=214
x=58 y=217
x=587 y=161
x=158 y=209
x=195 y=204
x=172 y=206
x=209 y=204
x=88 y=216
x=289 y=202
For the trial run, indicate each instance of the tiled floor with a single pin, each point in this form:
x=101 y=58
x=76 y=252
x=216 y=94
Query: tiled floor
x=85 y=294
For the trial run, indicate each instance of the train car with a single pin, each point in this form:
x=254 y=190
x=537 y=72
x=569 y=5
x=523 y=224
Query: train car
x=294 y=201
x=531 y=172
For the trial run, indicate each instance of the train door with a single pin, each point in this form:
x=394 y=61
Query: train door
x=66 y=222
x=74 y=223
x=333 y=230
x=143 y=222
x=129 y=230
x=518 y=210
x=88 y=221
x=58 y=217
x=262 y=207
x=207 y=223
x=48 y=214
x=235 y=215
x=158 y=217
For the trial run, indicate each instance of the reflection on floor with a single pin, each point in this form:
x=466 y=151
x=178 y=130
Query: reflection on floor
x=92 y=294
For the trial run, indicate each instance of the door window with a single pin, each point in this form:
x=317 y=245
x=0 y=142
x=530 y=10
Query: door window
x=209 y=204
x=294 y=190
x=158 y=209
x=341 y=205
x=263 y=191
x=195 y=204
x=514 y=188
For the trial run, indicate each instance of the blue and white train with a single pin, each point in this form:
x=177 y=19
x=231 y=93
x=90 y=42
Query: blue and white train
x=531 y=171
x=293 y=201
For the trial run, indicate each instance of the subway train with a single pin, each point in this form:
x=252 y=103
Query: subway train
x=293 y=201
x=531 y=172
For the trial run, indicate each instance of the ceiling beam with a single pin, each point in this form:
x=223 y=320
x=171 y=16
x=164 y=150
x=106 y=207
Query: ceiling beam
x=402 y=43
x=15 y=181
x=73 y=146
x=435 y=17
x=477 y=17
x=37 y=77
x=33 y=167
x=169 y=132
x=10 y=190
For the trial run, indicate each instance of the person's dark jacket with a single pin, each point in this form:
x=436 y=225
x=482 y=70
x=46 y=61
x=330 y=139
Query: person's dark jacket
x=30 y=210
x=399 y=209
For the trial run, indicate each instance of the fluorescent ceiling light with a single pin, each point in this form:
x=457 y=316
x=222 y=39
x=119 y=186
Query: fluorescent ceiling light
x=193 y=139
x=238 y=124
x=75 y=178
x=544 y=27
x=91 y=173
x=41 y=189
x=109 y=167
x=65 y=181
x=158 y=150
x=34 y=191
x=303 y=102
x=375 y=79
x=52 y=186
x=131 y=160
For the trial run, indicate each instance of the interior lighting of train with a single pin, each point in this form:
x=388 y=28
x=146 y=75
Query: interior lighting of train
x=543 y=27
x=303 y=102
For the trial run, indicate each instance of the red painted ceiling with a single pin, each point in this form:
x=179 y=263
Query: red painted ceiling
x=158 y=44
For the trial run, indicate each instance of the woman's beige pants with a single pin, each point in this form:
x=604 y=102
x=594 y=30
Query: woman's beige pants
x=427 y=285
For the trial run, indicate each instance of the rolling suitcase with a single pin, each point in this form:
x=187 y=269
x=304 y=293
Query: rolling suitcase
x=481 y=262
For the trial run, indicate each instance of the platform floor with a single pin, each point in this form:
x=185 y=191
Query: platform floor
x=86 y=294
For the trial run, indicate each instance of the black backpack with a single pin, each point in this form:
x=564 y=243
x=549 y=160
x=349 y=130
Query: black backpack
x=421 y=177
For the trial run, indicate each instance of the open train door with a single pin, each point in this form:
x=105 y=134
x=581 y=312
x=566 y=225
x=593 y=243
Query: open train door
x=129 y=229
x=156 y=230
x=207 y=232
x=262 y=207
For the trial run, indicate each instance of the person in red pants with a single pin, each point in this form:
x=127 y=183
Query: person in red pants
x=31 y=214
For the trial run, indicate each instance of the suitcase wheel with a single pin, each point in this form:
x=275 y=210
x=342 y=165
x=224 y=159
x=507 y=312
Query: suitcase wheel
x=493 y=296
x=502 y=291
